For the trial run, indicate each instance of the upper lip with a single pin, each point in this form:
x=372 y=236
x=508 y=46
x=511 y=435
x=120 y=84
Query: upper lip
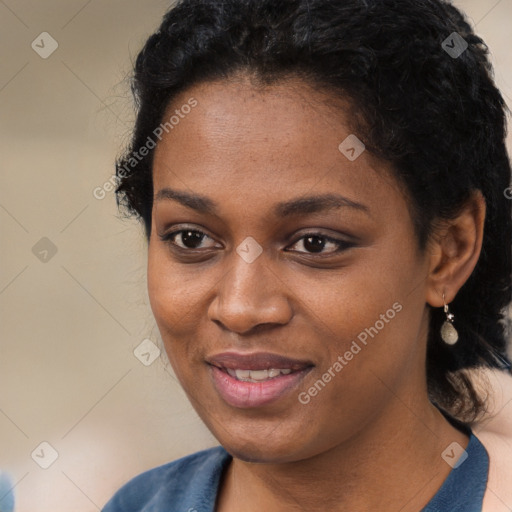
x=256 y=361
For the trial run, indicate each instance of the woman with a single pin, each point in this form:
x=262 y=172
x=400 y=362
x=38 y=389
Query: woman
x=322 y=189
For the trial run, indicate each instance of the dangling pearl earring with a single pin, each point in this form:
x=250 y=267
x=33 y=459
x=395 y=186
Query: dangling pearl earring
x=448 y=331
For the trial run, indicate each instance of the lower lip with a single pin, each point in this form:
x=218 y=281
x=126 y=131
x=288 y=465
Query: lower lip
x=254 y=394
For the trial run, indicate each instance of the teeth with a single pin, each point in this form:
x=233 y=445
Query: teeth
x=257 y=375
x=241 y=374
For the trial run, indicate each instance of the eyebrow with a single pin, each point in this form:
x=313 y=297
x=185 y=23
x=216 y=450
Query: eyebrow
x=299 y=206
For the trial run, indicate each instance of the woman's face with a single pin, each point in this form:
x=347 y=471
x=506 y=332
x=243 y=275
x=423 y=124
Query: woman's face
x=291 y=254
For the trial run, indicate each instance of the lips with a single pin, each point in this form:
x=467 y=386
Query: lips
x=256 y=361
x=254 y=380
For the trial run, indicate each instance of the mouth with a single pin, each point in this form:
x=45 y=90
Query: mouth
x=254 y=380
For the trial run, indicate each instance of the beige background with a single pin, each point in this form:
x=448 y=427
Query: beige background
x=69 y=326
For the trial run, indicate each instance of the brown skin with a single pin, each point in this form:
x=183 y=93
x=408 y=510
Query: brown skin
x=370 y=440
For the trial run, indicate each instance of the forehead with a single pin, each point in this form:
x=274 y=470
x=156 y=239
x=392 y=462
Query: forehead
x=242 y=141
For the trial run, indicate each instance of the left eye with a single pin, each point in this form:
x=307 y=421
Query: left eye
x=315 y=243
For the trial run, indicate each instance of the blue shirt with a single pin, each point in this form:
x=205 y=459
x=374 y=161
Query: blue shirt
x=190 y=484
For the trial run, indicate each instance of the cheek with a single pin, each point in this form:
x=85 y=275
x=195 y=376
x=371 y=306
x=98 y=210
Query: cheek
x=372 y=314
x=172 y=312
x=174 y=295
x=178 y=297
x=367 y=329
x=353 y=300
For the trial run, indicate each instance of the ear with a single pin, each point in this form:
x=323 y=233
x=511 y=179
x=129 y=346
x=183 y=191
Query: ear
x=454 y=251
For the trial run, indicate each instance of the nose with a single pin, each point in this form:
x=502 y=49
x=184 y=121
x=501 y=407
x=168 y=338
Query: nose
x=250 y=295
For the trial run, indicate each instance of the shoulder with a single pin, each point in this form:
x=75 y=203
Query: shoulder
x=173 y=483
x=495 y=432
x=497 y=385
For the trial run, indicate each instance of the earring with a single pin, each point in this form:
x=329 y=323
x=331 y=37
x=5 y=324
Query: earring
x=448 y=331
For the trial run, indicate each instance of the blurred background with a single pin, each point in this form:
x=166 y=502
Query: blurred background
x=86 y=400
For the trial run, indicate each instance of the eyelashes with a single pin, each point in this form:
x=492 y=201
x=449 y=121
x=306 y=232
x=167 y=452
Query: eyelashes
x=316 y=241
x=169 y=237
x=339 y=245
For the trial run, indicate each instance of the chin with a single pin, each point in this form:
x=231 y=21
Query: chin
x=259 y=454
x=263 y=448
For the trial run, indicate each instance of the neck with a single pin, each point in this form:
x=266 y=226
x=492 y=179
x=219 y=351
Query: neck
x=380 y=468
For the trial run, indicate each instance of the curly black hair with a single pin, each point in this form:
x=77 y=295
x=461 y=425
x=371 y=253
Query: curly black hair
x=423 y=101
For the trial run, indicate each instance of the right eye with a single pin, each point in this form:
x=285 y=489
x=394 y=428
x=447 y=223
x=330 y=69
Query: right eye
x=186 y=239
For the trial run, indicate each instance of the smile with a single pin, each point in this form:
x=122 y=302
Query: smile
x=257 y=375
x=257 y=379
